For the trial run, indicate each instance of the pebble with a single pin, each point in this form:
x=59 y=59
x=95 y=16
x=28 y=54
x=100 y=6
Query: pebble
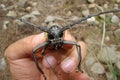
x=75 y=18
x=2 y=6
x=83 y=7
x=34 y=4
x=118 y=60
x=12 y=14
x=116 y=6
x=5 y=24
x=29 y=9
x=91 y=1
x=21 y=3
x=3 y=64
x=85 y=12
x=109 y=76
x=92 y=21
x=69 y=13
x=50 y=19
x=119 y=24
x=118 y=1
x=93 y=5
x=98 y=68
x=117 y=32
x=102 y=16
x=107 y=38
x=107 y=54
x=115 y=19
x=105 y=6
x=27 y=16
x=19 y=22
x=90 y=61
x=36 y=13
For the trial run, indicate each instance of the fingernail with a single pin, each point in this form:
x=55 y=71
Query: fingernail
x=38 y=38
x=49 y=61
x=68 y=65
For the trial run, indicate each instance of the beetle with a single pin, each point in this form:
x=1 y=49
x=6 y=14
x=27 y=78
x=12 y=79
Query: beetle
x=55 y=37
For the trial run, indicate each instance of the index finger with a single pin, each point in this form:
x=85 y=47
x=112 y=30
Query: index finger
x=23 y=47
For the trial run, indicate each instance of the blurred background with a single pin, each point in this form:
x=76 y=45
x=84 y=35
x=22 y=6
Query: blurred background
x=101 y=33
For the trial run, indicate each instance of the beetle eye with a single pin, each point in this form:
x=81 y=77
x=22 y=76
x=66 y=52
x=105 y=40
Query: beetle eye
x=50 y=37
x=61 y=34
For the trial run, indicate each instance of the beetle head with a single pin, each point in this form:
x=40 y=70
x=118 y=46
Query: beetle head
x=55 y=31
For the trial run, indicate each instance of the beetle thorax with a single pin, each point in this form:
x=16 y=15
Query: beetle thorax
x=55 y=32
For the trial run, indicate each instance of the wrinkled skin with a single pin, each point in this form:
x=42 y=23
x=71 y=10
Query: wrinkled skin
x=64 y=61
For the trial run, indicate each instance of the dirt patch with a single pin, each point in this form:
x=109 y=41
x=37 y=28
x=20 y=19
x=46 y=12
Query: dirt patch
x=62 y=9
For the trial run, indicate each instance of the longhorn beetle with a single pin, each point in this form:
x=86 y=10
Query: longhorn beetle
x=55 y=34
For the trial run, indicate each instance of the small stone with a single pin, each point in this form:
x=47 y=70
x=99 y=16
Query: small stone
x=109 y=76
x=36 y=13
x=5 y=24
x=49 y=19
x=92 y=5
x=92 y=21
x=118 y=61
x=74 y=18
x=3 y=64
x=107 y=38
x=19 y=22
x=115 y=19
x=2 y=6
x=69 y=13
x=85 y=12
x=116 y=6
x=119 y=24
x=83 y=7
x=34 y=4
x=117 y=33
x=118 y=1
x=107 y=54
x=91 y=1
x=90 y=61
x=12 y=14
x=102 y=16
x=106 y=6
x=21 y=3
x=28 y=16
x=98 y=68
x=29 y=8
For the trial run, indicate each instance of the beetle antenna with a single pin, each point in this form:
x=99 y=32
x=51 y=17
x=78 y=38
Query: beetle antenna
x=29 y=23
x=87 y=17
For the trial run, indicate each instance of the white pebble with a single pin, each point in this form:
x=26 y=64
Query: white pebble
x=34 y=4
x=85 y=12
x=36 y=13
x=49 y=19
x=3 y=64
x=118 y=1
x=91 y=1
x=5 y=24
x=98 y=68
x=115 y=19
x=12 y=14
x=2 y=6
x=91 y=20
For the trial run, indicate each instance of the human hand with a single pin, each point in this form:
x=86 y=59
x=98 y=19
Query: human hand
x=64 y=61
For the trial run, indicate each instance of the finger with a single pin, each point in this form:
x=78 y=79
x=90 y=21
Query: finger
x=68 y=37
x=23 y=48
x=71 y=62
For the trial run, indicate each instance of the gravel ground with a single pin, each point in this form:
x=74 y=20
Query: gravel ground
x=103 y=57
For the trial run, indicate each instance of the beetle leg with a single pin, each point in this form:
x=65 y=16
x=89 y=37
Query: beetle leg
x=35 y=59
x=78 y=52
